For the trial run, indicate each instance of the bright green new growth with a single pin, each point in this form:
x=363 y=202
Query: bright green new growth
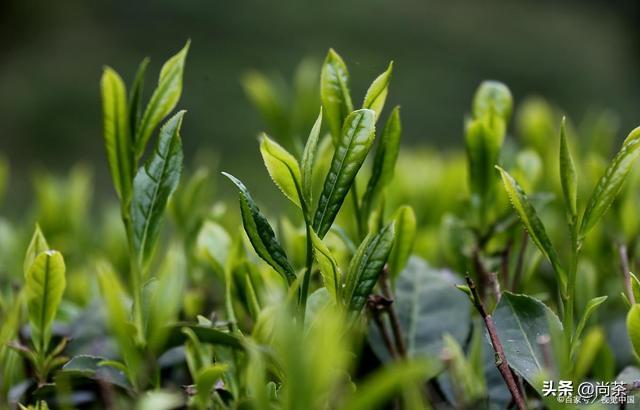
x=283 y=169
x=352 y=148
x=153 y=185
x=334 y=93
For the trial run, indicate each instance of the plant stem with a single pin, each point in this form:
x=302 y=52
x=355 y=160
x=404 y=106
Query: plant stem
x=570 y=292
x=136 y=276
x=306 y=279
x=501 y=360
x=376 y=304
x=393 y=314
x=626 y=272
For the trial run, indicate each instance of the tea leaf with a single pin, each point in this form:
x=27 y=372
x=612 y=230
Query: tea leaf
x=592 y=305
x=153 y=184
x=492 y=97
x=377 y=92
x=383 y=384
x=366 y=266
x=611 y=182
x=135 y=96
x=532 y=222
x=329 y=269
x=519 y=320
x=404 y=222
x=357 y=136
x=633 y=327
x=206 y=380
x=428 y=306
x=309 y=159
x=568 y=175
x=117 y=139
x=385 y=160
x=261 y=234
x=334 y=93
x=93 y=367
x=283 y=169
x=44 y=287
x=37 y=245
x=163 y=100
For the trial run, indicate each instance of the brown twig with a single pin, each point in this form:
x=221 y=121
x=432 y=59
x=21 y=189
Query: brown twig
x=626 y=272
x=517 y=275
x=501 y=360
x=376 y=305
x=393 y=314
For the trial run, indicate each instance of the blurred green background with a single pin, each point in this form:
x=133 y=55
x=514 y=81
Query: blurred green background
x=581 y=55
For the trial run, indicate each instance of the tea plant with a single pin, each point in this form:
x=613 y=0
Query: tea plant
x=350 y=297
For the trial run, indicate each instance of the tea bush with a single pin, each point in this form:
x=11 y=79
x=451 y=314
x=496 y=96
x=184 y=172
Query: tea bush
x=393 y=278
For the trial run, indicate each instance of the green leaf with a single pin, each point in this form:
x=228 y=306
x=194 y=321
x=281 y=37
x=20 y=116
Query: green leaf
x=37 y=245
x=204 y=334
x=532 y=222
x=267 y=98
x=44 y=287
x=635 y=287
x=483 y=141
x=633 y=327
x=492 y=96
x=519 y=321
x=357 y=136
x=404 y=222
x=309 y=159
x=377 y=92
x=383 y=384
x=611 y=182
x=163 y=100
x=283 y=169
x=334 y=93
x=153 y=185
x=366 y=266
x=92 y=367
x=329 y=269
x=428 y=305
x=592 y=305
x=568 y=176
x=117 y=139
x=214 y=245
x=261 y=234
x=206 y=379
x=135 y=96
x=384 y=162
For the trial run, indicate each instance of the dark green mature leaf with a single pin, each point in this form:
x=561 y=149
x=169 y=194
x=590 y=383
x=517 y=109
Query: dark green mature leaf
x=366 y=266
x=384 y=162
x=568 y=176
x=309 y=159
x=352 y=149
x=377 y=92
x=519 y=321
x=428 y=306
x=153 y=184
x=492 y=96
x=135 y=96
x=532 y=222
x=404 y=222
x=44 y=287
x=283 y=169
x=611 y=182
x=334 y=93
x=117 y=138
x=37 y=245
x=633 y=327
x=164 y=99
x=261 y=234
x=89 y=367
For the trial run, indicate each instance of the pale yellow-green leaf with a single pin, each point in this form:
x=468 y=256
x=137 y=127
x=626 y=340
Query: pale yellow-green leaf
x=283 y=169
x=37 y=245
x=404 y=221
x=329 y=269
x=377 y=92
